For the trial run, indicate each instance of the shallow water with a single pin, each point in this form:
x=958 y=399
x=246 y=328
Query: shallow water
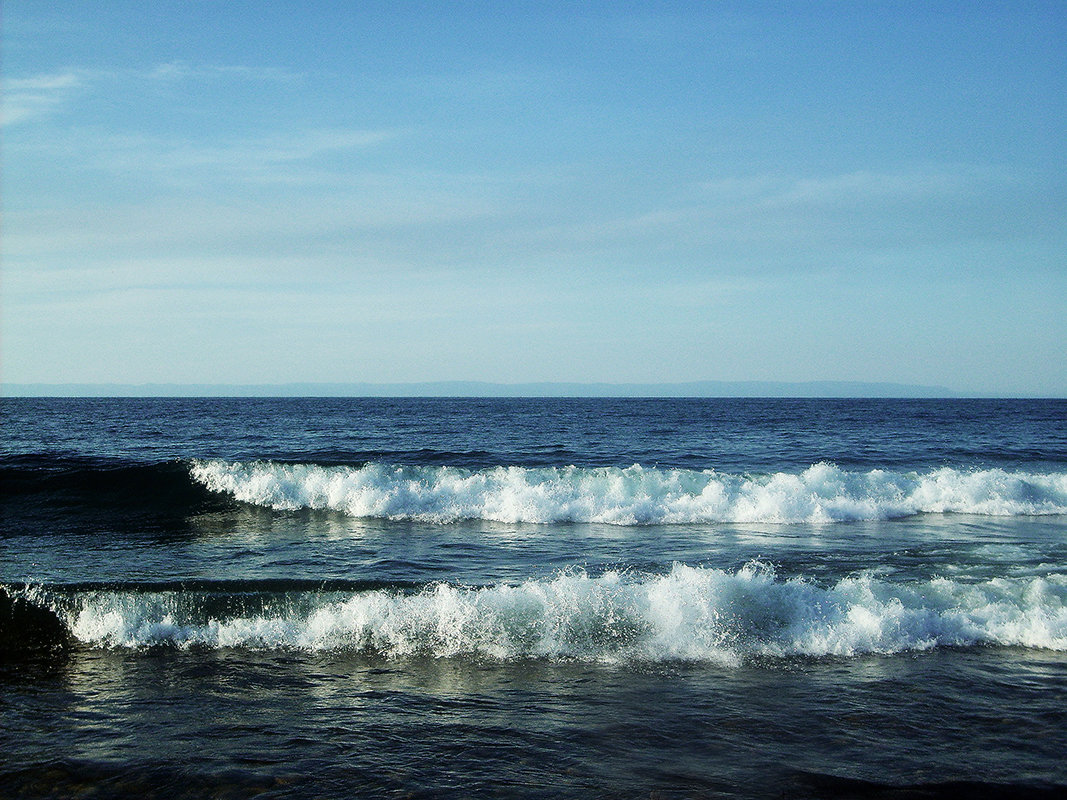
x=312 y=724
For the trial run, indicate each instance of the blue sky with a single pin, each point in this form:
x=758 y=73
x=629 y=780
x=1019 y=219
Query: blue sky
x=621 y=192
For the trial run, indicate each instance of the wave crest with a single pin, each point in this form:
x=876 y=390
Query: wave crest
x=690 y=613
x=632 y=496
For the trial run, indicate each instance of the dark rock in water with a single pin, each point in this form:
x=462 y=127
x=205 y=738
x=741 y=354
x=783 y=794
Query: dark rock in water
x=28 y=628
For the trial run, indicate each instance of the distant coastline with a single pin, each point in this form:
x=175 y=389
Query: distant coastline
x=485 y=389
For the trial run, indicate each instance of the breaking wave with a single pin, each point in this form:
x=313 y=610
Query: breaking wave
x=632 y=496
x=688 y=614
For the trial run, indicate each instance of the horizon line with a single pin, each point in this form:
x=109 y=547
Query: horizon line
x=457 y=388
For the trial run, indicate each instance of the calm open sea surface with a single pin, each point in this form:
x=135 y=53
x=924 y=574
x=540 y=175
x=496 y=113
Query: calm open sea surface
x=533 y=598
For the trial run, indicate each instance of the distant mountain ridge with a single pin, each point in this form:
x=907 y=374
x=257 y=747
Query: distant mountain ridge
x=483 y=389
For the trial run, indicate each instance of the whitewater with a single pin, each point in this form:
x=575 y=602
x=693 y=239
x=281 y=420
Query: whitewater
x=634 y=495
x=688 y=614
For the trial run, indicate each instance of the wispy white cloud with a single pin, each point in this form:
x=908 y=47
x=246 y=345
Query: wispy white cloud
x=25 y=99
x=866 y=186
x=779 y=223
x=158 y=155
x=36 y=96
x=188 y=161
x=63 y=80
x=183 y=70
x=858 y=186
x=394 y=226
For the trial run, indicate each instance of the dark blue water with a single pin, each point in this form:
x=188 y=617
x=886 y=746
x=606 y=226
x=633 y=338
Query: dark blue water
x=533 y=597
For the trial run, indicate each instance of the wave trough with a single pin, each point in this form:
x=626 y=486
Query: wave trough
x=634 y=495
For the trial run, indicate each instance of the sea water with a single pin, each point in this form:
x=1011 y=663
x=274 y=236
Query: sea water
x=533 y=597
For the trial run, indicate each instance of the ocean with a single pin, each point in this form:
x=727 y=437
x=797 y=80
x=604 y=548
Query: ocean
x=453 y=598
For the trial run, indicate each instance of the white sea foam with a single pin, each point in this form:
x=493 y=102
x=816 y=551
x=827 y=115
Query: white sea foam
x=690 y=613
x=632 y=496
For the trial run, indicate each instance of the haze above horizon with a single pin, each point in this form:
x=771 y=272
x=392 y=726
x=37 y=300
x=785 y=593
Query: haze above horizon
x=616 y=194
x=486 y=390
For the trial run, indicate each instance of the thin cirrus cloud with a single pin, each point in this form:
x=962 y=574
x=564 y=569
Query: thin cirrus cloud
x=363 y=222
x=248 y=157
x=772 y=222
x=183 y=70
x=36 y=97
x=166 y=157
x=27 y=99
